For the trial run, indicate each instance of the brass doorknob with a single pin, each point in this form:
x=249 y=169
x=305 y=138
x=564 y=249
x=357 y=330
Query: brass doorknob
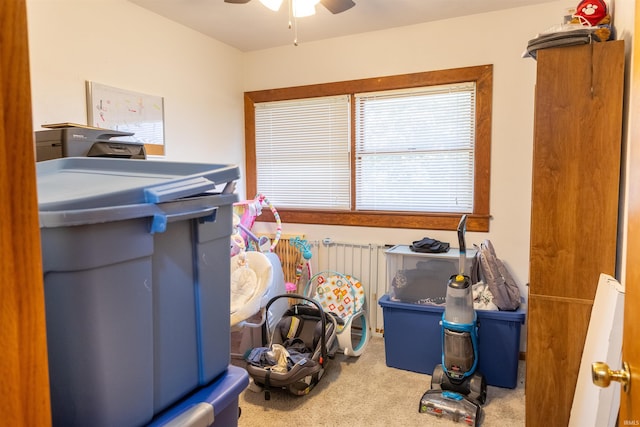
x=602 y=375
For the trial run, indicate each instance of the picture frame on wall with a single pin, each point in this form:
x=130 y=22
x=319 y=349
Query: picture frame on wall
x=128 y=111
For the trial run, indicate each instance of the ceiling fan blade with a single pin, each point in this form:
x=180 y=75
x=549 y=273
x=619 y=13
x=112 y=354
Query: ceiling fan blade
x=237 y=1
x=337 y=6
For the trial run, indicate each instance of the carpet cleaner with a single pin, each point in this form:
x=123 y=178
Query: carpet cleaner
x=457 y=389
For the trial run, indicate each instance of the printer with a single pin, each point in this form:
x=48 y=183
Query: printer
x=84 y=141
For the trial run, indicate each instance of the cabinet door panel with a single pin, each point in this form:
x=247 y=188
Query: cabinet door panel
x=576 y=168
x=556 y=332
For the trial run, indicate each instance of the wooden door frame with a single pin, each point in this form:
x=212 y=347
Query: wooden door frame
x=23 y=368
x=630 y=402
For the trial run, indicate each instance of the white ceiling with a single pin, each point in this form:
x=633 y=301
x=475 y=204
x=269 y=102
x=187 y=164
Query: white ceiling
x=252 y=26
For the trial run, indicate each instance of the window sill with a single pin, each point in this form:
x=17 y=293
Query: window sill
x=479 y=223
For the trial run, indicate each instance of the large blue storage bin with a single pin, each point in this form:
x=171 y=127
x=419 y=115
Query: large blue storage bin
x=413 y=340
x=215 y=404
x=136 y=275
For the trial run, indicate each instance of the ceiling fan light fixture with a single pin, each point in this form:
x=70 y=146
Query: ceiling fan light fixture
x=272 y=4
x=302 y=8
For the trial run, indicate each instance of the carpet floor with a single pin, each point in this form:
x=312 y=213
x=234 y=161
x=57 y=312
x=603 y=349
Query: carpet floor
x=364 y=391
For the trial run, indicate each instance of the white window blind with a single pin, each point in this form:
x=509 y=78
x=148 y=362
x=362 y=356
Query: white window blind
x=302 y=152
x=415 y=149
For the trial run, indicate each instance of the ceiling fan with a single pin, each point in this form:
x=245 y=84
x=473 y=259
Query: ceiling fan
x=334 y=6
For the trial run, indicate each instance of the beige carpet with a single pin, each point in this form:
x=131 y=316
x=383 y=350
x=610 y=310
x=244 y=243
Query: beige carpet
x=364 y=391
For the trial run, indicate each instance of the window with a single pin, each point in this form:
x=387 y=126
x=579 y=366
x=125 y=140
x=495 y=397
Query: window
x=409 y=151
x=302 y=152
x=415 y=148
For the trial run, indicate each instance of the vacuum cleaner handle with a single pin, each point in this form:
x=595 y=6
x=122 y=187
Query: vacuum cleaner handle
x=462 y=227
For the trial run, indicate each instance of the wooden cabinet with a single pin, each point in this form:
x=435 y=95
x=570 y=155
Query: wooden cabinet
x=574 y=214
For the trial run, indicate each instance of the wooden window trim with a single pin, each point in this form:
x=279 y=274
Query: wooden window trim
x=477 y=221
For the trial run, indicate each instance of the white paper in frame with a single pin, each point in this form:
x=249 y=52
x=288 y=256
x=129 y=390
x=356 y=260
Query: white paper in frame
x=127 y=111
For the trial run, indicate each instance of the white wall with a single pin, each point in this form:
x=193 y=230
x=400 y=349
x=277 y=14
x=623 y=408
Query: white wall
x=119 y=44
x=496 y=38
x=624 y=13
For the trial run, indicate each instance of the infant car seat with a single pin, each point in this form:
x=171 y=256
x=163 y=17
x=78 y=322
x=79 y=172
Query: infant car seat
x=344 y=296
x=300 y=347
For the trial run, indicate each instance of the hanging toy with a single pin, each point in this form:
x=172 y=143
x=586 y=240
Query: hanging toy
x=305 y=262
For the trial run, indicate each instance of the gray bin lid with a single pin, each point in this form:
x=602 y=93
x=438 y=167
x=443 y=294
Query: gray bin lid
x=81 y=190
x=84 y=182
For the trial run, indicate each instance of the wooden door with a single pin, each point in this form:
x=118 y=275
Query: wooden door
x=24 y=394
x=630 y=402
